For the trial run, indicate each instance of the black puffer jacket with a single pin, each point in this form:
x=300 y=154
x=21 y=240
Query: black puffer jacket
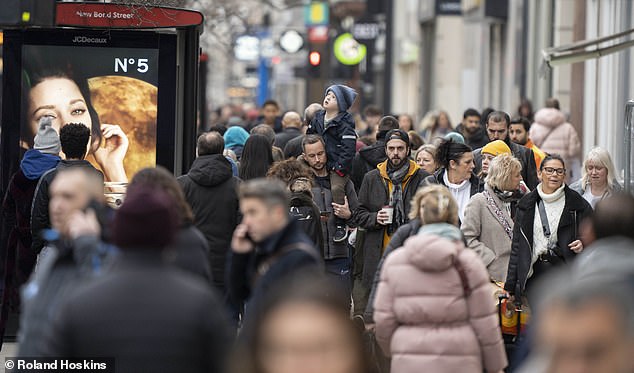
x=211 y=191
x=366 y=161
x=575 y=210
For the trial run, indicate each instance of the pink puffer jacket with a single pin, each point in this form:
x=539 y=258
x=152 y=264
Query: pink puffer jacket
x=423 y=319
x=563 y=139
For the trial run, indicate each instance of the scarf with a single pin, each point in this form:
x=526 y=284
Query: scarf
x=444 y=230
x=396 y=198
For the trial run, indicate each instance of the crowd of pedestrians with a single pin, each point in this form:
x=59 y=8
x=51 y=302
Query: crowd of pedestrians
x=329 y=242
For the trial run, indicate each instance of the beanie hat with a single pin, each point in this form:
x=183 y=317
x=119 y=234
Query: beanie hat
x=397 y=134
x=455 y=137
x=47 y=139
x=344 y=94
x=235 y=136
x=147 y=219
x=496 y=148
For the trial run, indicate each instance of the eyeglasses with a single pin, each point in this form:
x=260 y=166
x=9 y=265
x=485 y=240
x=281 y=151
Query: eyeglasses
x=559 y=171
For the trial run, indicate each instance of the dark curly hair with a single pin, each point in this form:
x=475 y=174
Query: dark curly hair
x=74 y=139
x=290 y=170
x=448 y=150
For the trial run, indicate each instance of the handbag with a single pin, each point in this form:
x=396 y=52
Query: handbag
x=513 y=317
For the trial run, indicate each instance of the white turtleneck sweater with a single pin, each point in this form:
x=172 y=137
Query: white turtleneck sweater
x=554 y=204
x=461 y=192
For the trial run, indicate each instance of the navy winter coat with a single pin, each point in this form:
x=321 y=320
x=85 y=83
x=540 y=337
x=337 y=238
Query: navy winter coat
x=340 y=139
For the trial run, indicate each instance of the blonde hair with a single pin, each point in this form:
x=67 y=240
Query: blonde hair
x=501 y=171
x=438 y=204
x=602 y=157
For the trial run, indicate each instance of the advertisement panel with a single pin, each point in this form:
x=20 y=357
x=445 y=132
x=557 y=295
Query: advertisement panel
x=121 y=85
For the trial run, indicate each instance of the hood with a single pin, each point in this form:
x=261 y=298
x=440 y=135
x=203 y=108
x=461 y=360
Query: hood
x=550 y=117
x=374 y=154
x=413 y=167
x=235 y=136
x=210 y=170
x=432 y=253
x=35 y=163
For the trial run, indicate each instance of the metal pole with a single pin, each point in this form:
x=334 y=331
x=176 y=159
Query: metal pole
x=629 y=113
x=190 y=101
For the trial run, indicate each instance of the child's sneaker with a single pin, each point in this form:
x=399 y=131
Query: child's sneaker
x=341 y=233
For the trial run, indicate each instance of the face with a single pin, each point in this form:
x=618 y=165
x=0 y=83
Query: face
x=373 y=120
x=597 y=342
x=597 y=173
x=426 y=161
x=330 y=102
x=518 y=134
x=261 y=220
x=405 y=123
x=514 y=181
x=443 y=120
x=306 y=338
x=486 y=161
x=270 y=112
x=396 y=151
x=59 y=99
x=315 y=155
x=463 y=168
x=68 y=193
x=550 y=175
x=471 y=124
x=497 y=131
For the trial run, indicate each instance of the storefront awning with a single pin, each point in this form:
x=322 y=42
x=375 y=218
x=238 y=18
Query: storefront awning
x=586 y=49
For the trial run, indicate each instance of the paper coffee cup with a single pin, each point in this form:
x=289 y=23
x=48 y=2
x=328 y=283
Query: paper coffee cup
x=390 y=214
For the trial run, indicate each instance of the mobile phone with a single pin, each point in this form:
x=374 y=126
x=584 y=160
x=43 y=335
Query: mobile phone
x=248 y=237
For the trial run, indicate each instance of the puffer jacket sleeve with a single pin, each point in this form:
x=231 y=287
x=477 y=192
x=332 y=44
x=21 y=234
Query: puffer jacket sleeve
x=472 y=229
x=574 y=144
x=348 y=145
x=482 y=313
x=384 y=316
x=398 y=238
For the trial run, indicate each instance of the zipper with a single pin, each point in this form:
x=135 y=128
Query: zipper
x=326 y=244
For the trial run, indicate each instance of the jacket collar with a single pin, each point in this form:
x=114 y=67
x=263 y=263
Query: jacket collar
x=413 y=167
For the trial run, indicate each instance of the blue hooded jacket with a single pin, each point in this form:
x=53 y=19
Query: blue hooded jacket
x=35 y=163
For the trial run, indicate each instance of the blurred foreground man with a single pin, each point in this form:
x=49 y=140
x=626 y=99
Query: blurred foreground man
x=67 y=262
x=267 y=247
x=147 y=315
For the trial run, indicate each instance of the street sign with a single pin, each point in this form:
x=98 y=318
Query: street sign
x=365 y=31
x=348 y=51
x=291 y=41
x=316 y=14
x=318 y=34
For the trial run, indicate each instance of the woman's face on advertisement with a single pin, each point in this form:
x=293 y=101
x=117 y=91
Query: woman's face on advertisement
x=61 y=100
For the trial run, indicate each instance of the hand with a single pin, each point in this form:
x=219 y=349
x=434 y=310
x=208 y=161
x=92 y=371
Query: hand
x=342 y=211
x=576 y=246
x=382 y=217
x=83 y=224
x=110 y=158
x=240 y=243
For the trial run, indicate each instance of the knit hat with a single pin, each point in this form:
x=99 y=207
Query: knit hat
x=147 y=219
x=235 y=136
x=344 y=94
x=397 y=134
x=455 y=137
x=496 y=148
x=47 y=139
